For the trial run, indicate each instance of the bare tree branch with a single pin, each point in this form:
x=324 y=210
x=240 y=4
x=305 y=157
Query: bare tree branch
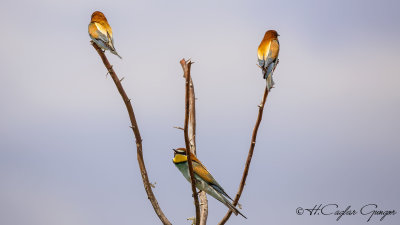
x=251 y=150
x=203 y=208
x=186 y=70
x=249 y=157
x=135 y=129
x=192 y=118
x=192 y=139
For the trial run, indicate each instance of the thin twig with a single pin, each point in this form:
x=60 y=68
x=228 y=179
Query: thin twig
x=251 y=150
x=135 y=129
x=179 y=128
x=186 y=69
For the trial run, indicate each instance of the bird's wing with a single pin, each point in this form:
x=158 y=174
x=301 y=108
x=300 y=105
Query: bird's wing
x=274 y=49
x=272 y=56
x=262 y=52
x=203 y=173
x=218 y=188
x=109 y=33
x=93 y=31
x=106 y=29
x=263 y=49
x=101 y=33
x=111 y=42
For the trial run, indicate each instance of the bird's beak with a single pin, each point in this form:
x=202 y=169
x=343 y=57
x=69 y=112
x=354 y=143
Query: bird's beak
x=279 y=35
x=175 y=150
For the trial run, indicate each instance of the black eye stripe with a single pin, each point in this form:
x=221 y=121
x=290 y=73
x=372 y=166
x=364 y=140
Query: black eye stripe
x=180 y=152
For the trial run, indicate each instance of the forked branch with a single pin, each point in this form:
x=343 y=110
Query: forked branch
x=192 y=140
x=186 y=69
x=135 y=129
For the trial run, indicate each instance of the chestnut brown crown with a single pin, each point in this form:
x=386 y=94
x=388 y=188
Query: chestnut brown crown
x=98 y=16
x=271 y=34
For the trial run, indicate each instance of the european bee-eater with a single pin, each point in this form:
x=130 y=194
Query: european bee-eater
x=204 y=180
x=268 y=52
x=101 y=33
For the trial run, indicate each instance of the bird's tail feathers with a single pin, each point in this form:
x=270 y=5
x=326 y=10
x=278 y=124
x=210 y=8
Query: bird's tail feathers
x=234 y=209
x=270 y=82
x=116 y=53
x=265 y=75
x=111 y=47
x=268 y=72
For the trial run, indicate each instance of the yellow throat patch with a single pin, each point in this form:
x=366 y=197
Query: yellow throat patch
x=179 y=158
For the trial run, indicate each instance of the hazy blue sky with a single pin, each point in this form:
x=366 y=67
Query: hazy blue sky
x=330 y=132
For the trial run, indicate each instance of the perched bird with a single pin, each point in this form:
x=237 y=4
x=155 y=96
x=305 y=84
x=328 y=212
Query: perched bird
x=101 y=33
x=268 y=51
x=204 y=180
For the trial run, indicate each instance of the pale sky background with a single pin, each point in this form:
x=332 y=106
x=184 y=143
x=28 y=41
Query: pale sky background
x=330 y=132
